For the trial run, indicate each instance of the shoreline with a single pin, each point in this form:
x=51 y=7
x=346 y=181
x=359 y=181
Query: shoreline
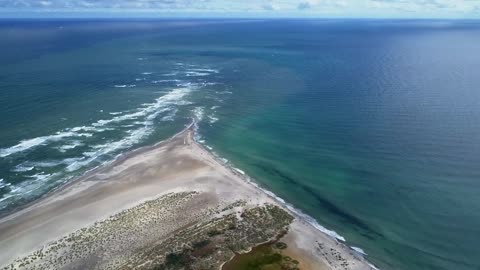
x=117 y=159
x=85 y=186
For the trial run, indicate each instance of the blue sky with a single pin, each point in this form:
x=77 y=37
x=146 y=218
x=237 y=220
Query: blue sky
x=244 y=8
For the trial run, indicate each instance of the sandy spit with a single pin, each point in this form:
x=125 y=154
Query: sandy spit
x=179 y=164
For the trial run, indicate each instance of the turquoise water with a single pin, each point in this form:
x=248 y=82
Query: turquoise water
x=370 y=127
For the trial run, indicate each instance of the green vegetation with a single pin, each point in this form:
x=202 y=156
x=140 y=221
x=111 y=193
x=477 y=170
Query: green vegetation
x=208 y=245
x=263 y=257
x=194 y=245
x=280 y=245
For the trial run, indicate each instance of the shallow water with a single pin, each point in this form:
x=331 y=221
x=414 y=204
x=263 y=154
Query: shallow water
x=370 y=127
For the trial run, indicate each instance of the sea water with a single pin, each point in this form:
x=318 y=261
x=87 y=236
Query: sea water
x=368 y=128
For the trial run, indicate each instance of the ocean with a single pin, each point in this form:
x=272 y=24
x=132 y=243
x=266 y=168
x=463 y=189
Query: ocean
x=369 y=127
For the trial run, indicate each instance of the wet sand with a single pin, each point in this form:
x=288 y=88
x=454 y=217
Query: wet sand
x=176 y=166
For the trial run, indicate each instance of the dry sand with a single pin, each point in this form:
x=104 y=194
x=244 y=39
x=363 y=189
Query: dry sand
x=177 y=165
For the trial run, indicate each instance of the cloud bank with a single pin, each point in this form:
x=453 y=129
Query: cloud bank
x=333 y=8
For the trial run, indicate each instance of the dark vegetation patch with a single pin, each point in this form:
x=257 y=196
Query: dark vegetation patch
x=280 y=245
x=208 y=245
x=263 y=257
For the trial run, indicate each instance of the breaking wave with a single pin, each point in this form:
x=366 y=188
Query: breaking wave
x=149 y=110
x=31 y=143
x=59 y=171
x=125 y=85
x=359 y=250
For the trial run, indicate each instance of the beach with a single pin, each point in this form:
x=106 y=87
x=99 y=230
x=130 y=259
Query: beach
x=148 y=196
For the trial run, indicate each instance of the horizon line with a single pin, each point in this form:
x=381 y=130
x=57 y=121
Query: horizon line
x=206 y=17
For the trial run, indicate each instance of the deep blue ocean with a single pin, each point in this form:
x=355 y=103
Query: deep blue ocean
x=371 y=127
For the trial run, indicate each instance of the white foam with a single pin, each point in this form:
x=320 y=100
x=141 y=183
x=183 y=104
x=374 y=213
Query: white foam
x=92 y=153
x=40 y=176
x=188 y=84
x=48 y=163
x=171 y=98
x=224 y=92
x=23 y=168
x=162 y=81
x=71 y=145
x=100 y=150
x=198 y=113
x=31 y=143
x=84 y=134
x=211 y=83
x=5 y=198
x=83 y=128
x=304 y=216
x=2 y=183
x=359 y=250
x=147 y=73
x=124 y=85
x=170 y=116
x=240 y=171
x=78 y=164
x=170 y=74
x=196 y=74
x=28 y=187
x=51 y=163
x=209 y=70
x=314 y=223
x=144 y=118
x=149 y=110
x=212 y=119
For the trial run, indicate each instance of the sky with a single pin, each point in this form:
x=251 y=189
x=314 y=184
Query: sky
x=243 y=8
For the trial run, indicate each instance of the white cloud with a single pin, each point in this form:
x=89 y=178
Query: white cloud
x=45 y=3
x=343 y=8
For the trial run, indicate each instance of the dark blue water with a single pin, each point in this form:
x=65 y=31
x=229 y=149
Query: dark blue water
x=370 y=127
